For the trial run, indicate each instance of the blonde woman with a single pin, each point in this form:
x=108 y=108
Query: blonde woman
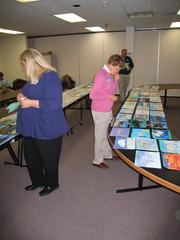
x=41 y=121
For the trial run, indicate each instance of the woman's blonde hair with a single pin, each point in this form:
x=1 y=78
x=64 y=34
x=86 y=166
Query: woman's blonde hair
x=34 y=61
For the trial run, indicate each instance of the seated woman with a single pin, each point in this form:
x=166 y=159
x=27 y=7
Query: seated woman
x=3 y=82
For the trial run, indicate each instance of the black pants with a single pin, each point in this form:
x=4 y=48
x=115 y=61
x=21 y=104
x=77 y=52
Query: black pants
x=42 y=158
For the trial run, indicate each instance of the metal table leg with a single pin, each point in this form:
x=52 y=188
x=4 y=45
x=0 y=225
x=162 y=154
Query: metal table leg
x=139 y=188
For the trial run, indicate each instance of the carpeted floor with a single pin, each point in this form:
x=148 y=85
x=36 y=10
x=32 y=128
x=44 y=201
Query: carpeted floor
x=86 y=206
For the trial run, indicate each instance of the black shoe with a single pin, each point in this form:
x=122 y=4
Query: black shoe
x=47 y=190
x=33 y=187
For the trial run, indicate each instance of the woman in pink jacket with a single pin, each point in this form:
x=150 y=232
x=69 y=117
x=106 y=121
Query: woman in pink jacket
x=103 y=97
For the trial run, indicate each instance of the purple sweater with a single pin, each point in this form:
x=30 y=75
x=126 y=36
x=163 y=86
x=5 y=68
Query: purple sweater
x=104 y=86
x=47 y=121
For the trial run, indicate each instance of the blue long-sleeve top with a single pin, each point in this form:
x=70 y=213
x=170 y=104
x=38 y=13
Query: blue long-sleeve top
x=47 y=121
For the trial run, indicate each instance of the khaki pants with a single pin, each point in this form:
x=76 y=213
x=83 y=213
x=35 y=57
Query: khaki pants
x=123 y=85
x=102 y=148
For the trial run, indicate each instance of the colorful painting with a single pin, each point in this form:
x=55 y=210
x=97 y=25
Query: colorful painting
x=155 y=99
x=121 y=132
x=156 y=107
x=169 y=146
x=146 y=144
x=147 y=159
x=161 y=134
x=126 y=110
x=134 y=123
x=171 y=161
x=158 y=122
x=124 y=143
x=121 y=123
x=123 y=116
x=141 y=117
x=140 y=133
x=157 y=113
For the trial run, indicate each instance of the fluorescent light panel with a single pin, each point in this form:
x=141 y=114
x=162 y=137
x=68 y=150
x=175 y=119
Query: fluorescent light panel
x=70 y=17
x=178 y=13
x=26 y=1
x=175 y=25
x=95 y=29
x=2 y=30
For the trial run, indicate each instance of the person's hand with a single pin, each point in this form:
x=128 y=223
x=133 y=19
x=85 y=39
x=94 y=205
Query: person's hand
x=116 y=77
x=20 y=97
x=25 y=102
x=113 y=98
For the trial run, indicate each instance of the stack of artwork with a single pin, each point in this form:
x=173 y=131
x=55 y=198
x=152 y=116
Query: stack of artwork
x=73 y=94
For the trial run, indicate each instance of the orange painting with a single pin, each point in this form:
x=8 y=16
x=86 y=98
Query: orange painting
x=171 y=160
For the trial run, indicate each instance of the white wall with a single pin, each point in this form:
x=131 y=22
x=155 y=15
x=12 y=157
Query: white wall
x=94 y=51
x=65 y=50
x=170 y=57
x=81 y=56
x=169 y=65
x=11 y=47
x=90 y=57
x=156 y=54
x=146 y=57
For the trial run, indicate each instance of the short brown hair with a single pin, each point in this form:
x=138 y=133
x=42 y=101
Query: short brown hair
x=115 y=59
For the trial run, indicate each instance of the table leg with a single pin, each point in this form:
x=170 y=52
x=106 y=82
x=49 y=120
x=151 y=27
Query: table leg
x=140 y=186
x=13 y=155
x=81 y=109
x=165 y=96
x=17 y=159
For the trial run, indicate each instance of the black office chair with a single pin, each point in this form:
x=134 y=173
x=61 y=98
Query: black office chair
x=18 y=83
x=67 y=82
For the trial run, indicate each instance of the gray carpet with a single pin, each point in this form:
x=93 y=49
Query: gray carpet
x=86 y=206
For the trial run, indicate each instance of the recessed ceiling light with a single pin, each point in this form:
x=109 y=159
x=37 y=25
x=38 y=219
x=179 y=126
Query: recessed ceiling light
x=175 y=25
x=70 y=17
x=26 y=1
x=178 y=13
x=95 y=29
x=2 y=30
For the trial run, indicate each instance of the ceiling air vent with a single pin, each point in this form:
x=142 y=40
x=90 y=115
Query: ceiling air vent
x=140 y=14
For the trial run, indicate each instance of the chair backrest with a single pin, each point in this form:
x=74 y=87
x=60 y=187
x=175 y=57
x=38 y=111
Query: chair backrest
x=67 y=82
x=18 y=83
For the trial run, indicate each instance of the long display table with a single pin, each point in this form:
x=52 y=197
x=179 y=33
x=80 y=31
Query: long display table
x=8 y=135
x=166 y=87
x=8 y=95
x=140 y=137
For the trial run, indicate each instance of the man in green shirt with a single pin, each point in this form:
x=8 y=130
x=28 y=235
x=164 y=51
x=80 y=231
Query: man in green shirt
x=125 y=74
